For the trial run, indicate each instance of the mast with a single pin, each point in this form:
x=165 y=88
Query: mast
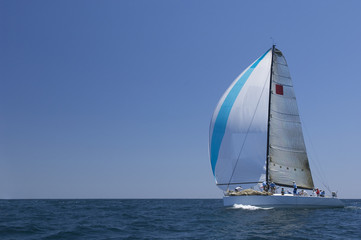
x=269 y=113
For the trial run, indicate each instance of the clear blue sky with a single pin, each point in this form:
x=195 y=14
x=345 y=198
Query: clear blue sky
x=113 y=99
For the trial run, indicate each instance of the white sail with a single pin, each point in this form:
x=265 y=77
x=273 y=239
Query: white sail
x=238 y=129
x=288 y=160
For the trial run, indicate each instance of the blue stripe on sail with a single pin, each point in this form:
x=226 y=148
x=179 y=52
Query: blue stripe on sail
x=223 y=114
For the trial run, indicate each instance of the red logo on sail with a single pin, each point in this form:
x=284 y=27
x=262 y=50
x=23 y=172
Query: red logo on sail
x=279 y=89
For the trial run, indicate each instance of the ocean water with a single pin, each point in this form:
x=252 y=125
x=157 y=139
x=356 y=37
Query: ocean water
x=172 y=219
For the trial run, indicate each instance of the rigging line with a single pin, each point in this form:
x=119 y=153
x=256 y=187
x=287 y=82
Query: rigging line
x=245 y=138
x=321 y=176
x=313 y=153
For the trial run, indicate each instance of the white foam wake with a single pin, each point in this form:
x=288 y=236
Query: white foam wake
x=250 y=207
x=353 y=207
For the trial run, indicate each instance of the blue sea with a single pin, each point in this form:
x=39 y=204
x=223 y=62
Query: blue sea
x=172 y=219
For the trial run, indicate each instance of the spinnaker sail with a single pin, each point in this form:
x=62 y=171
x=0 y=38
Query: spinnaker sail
x=238 y=130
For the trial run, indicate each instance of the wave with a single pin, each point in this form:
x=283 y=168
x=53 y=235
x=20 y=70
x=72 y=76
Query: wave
x=353 y=207
x=249 y=207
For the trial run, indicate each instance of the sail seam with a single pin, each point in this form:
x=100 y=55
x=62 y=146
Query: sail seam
x=289 y=114
x=280 y=63
x=281 y=76
x=285 y=85
x=280 y=148
x=282 y=120
x=283 y=96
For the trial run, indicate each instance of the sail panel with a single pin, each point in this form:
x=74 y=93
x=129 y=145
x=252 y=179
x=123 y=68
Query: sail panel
x=238 y=129
x=284 y=105
x=281 y=70
x=279 y=60
x=285 y=117
x=288 y=159
x=286 y=134
x=285 y=81
x=285 y=176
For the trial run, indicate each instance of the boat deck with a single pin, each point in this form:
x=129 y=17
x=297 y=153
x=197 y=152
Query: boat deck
x=284 y=201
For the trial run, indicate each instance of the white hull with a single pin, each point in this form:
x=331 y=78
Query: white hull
x=287 y=201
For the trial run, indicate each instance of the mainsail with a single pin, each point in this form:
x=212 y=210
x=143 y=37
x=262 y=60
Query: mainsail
x=288 y=160
x=247 y=118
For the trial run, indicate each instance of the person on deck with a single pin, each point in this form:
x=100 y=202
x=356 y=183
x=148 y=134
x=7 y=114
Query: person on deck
x=322 y=193
x=283 y=191
x=273 y=187
x=318 y=192
x=294 y=188
x=238 y=189
x=265 y=186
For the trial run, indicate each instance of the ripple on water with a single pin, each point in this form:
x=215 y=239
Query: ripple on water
x=172 y=219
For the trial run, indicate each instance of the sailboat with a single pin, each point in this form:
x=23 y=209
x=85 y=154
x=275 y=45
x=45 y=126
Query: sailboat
x=256 y=137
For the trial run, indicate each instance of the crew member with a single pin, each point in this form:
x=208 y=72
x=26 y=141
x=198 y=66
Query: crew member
x=265 y=186
x=294 y=188
x=273 y=187
x=238 y=189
